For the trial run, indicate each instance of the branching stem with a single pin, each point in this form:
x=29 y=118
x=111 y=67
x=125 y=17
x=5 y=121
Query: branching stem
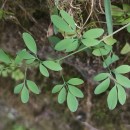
x=99 y=42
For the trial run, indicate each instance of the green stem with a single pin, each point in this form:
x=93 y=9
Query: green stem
x=25 y=75
x=107 y=4
x=99 y=42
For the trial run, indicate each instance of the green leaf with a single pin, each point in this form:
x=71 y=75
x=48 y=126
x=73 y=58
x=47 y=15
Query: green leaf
x=57 y=88
x=122 y=80
x=128 y=29
x=4 y=57
x=23 y=55
x=93 y=33
x=25 y=95
x=126 y=21
x=101 y=76
x=73 y=46
x=112 y=98
x=54 y=39
x=72 y=102
x=100 y=51
x=67 y=44
x=109 y=60
x=126 y=8
x=125 y=49
x=52 y=65
x=116 y=11
x=122 y=69
x=121 y=94
x=90 y=42
x=18 y=88
x=75 y=81
x=110 y=41
x=33 y=87
x=43 y=70
x=114 y=58
x=75 y=91
x=30 y=61
x=102 y=87
x=30 y=42
x=69 y=19
x=61 y=24
x=62 y=96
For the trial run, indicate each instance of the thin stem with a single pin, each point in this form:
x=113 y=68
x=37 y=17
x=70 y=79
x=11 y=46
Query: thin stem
x=99 y=42
x=62 y=77
x=25 y=75
x=105 y=62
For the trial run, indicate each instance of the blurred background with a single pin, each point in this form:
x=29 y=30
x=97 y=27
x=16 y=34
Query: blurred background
x=43 y=112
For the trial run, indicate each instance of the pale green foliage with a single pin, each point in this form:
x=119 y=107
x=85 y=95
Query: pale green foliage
x=110 y=41
x=18 y=88
x=67 y=44
x=33 y=87
x=61 y=24
x=75 y=81
x=122 y=69
x=122 y=80
x=4 y=57
x=43 y=70
x=69 y=19
x=74 y=40
x=68 y=91
x=125 y=49
x=30 y=42
x=57 y=88
x=72 y=102
x=55 y=66
x=24 y=94
x=62 y=95
x=121 y=94
x=112 y=98
x=101 y=76
x=102 y=87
